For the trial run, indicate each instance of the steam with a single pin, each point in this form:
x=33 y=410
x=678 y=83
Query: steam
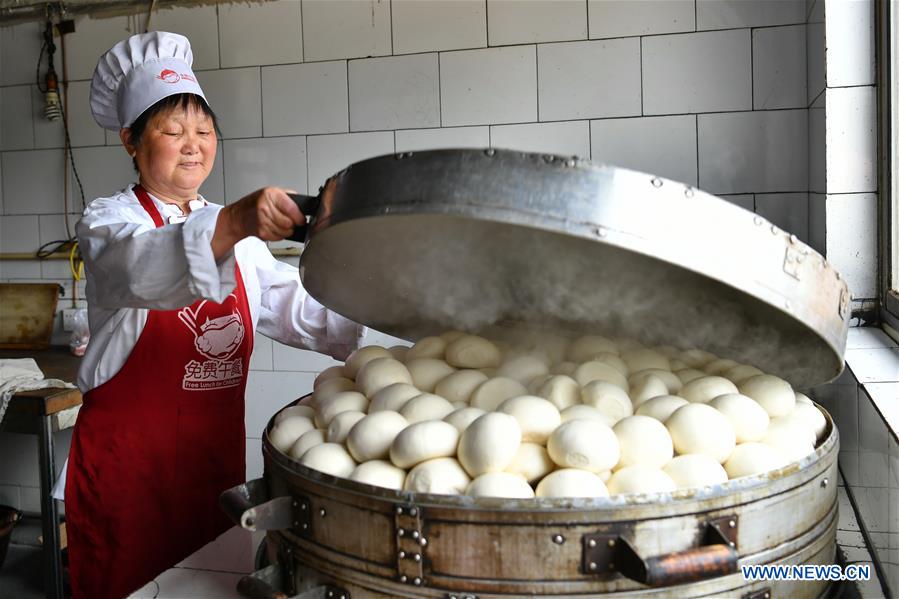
x=522 y=285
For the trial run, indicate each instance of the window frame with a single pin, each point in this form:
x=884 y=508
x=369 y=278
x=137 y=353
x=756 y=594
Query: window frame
x=888 y=163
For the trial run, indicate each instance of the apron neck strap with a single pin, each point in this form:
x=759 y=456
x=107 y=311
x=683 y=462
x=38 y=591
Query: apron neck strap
x=144 y=198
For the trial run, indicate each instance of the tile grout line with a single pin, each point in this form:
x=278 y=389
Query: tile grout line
x=487 y=22
x=696 y=125
x=642 y=94
x=302 y=33
x=537 y=76
x=587 y=3
x=390 y=10
x=346 y=66
x=439 y=92
x=751 y=69
x=218 y=34
x=261 y=109
x=306 y=151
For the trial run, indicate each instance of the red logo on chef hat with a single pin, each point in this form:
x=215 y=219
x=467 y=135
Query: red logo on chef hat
x=169 y=76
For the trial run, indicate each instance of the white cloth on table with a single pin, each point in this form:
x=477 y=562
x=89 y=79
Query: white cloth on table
x=23 y=374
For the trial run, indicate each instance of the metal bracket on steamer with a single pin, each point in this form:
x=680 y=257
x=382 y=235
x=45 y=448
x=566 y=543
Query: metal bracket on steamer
x=607 y=553
x=411 y=544
x=792 y=261
x=268 y=582
x=250 y=506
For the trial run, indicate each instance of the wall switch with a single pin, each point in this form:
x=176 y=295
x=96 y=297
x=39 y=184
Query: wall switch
x=68 y=319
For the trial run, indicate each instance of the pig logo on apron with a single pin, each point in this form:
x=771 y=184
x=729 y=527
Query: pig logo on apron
x=216 y=340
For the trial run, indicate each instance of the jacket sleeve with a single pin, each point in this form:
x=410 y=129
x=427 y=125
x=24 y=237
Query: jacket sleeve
x=132 y=264
x=287 y=313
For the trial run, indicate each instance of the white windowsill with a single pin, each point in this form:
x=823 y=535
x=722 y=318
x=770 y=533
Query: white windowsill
x=873 y=357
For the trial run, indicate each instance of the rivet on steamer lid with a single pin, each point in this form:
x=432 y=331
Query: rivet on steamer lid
x=759 y=221
x=688 y=192
x=656 y=182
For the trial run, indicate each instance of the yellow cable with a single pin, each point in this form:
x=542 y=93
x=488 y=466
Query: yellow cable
x=77 y=273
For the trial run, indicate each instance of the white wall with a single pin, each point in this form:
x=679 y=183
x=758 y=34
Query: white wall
x=711 y=93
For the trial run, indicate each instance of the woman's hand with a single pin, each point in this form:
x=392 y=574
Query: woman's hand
x=268 y=214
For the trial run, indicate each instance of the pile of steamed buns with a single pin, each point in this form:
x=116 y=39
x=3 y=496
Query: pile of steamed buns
x=550 y=417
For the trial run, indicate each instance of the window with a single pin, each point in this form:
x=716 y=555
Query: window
x=888 y=78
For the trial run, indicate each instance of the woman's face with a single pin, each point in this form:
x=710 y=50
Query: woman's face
x=176 y=151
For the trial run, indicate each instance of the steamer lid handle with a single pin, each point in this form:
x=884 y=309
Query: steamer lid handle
x=686 y=566
x=308 y=205
x=716 y=556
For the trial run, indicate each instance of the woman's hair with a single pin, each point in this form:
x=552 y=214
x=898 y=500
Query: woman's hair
x=176 y=101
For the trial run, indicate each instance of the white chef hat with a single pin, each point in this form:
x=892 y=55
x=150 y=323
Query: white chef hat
x=138 y=72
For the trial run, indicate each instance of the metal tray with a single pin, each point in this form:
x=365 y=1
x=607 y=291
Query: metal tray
x=413 y=244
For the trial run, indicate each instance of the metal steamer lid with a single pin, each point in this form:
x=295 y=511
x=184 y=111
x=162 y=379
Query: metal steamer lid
x=415 y=244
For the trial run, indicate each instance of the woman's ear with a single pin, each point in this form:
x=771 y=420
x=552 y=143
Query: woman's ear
x=125 y=136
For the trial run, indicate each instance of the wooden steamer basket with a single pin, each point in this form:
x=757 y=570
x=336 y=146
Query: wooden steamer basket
x=417 y=244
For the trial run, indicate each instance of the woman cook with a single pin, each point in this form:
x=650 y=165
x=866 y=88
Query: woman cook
x=176 y=289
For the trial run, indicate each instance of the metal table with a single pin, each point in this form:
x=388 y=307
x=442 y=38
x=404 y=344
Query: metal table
x=43 y=412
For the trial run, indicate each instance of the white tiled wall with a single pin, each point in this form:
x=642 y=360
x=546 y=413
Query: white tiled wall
x=530 y=21
x=434 y=25
x=592 y=79
x=706 y=92
x=842 y=154
x=397 y=92
x=697 y=72
x=495 y=85
x=620 y=18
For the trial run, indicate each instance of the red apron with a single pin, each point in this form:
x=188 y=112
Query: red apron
x=155 y=445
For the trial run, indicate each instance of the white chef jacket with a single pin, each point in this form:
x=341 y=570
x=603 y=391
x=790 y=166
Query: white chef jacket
x=133 y=267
